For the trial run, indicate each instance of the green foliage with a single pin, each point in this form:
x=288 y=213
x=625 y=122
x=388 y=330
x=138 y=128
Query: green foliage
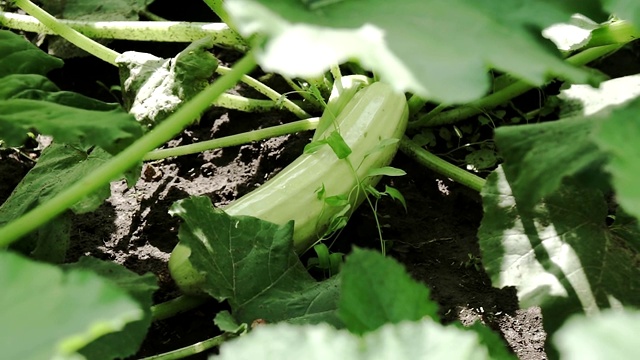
x=376 y=290
x=251 y=264
x=544 y=230
x=400 y=54
x=49 y=313
x=154 y=87
x=21 y=57
x=59 y=165
x=558 y=253
x=617 y=136
x=140 y=288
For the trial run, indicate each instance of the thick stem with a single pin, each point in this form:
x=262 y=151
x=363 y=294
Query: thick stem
x=126 y=159
x=164 y=31
x=176 y=306
x=98 y=50
x=440 y=166
x=241 y=103
x=234 y=140
x=415 y=103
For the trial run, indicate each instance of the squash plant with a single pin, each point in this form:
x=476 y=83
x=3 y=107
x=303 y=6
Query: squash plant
x=544 y=230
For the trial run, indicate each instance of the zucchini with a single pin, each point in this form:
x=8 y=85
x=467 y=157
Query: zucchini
x=374 y=114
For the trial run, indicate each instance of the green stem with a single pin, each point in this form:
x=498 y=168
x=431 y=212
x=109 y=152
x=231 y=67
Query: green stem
x=126 y=159
x=151 y=16
x=270 y=93
x=98 y=50
x=165 y=31
x=176 y=306
x=440 y=166
x=241 y=103
x=305 y=94
x=192 y=349
x=415 y=103
x=504 y=95
x=218 y=9
x=234 y=140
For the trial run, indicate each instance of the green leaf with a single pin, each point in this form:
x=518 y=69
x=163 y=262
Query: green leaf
x=18 y=56
x=112 y=130
x=585 y=100
x=405 y=341
x=376 y=290
x=337 y=200
x=51 y=314
x=443 y=57
x=140 y=288
x=481 y=158
x=58 y=167
x=155 y=87
x=226 y=323
x=313 y=146
x=338 y=145
x=252 y=264
x=537 y=157
x=559 y=253
x=618 y=136
x=38 y=87
x=386 y=171
x=396 y=195
x=611 y=335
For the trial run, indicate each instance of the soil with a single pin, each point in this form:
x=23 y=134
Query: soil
x=435 y=239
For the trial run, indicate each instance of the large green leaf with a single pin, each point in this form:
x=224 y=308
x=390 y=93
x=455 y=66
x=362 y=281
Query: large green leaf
x=404 y=341
x=30 y=102
x=538 y=156
x=376 y=290
x=155 y=87
x=112 y=130
x=612 y=335
x=38 y=87
x=18 y=56
x=440 y=50
x=50 y=314
x=140 y=287
x=559 y=254
x=619 y=136
x=252 y=264
x=58 y=167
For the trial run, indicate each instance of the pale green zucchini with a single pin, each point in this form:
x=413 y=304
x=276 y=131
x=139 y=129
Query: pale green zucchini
x=374 y=114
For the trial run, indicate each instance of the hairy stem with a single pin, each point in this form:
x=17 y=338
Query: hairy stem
x=98 y=50
x=126 y=159
x=234 y=140
x=165 y=31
